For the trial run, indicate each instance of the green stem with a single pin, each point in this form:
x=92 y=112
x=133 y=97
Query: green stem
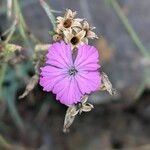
x=12 y=30
x=23 y=26
x=130 y=29
x=21 y=19
x=49 y=13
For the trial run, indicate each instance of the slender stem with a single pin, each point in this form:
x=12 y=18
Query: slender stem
x=12 y=30
x=49 y=13
x=23 y=26
x=2 y=76
x=21 y=20
x=130 y=29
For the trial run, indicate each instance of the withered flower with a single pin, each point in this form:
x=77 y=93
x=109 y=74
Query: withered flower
x=68 y=20
x=73 y=38
x=89 y=33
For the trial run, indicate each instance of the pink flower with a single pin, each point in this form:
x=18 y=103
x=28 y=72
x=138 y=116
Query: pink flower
x=70 y=79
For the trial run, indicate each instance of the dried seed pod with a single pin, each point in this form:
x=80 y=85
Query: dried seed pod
x=69 y=117
x=73 y=110
x=107 y=84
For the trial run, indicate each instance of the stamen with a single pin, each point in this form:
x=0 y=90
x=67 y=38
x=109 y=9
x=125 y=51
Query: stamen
x=72 y=71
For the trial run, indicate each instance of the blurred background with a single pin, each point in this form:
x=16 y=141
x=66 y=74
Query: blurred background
x=36 y=121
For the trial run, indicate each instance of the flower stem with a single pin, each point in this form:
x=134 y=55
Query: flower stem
x=130 y=29
x=12 y=30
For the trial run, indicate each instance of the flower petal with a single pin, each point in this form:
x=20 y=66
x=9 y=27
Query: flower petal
x=67 y=91
x=88 y=81
x=87 y=58
x=59 y=55
x=70 y=88
x=50 y=76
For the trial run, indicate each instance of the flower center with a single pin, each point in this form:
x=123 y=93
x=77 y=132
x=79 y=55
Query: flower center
x=74 y=40
x=67 y=23
x=72 y=71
